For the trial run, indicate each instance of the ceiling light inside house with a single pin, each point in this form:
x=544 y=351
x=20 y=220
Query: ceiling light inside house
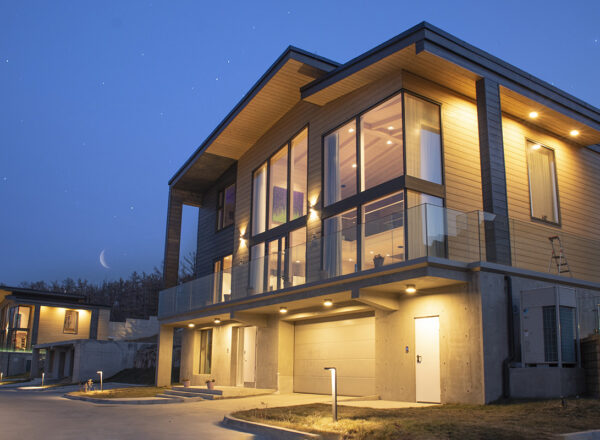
x=350 y=130
x=327 y=303
x=283 y=310
x=391 y=127
x=533 y=115
x=574 y=132
x=353 y=165
x=411 y=288
x=389 y=142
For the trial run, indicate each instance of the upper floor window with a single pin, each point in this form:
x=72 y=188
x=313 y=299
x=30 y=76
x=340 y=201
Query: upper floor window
x=380 y=154
x=222 y=279
x=226 y=207
x=280 y=186
x=205 y=351
x=543 y=192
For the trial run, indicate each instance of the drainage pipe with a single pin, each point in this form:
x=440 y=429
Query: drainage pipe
x=511 y=338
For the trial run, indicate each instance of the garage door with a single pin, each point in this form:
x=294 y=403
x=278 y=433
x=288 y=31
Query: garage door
x=348 y=345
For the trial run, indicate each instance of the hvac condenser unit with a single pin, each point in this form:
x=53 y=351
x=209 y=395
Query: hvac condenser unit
x=549 y=327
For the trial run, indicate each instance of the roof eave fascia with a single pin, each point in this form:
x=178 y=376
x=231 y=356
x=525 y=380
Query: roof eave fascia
x=291 y=52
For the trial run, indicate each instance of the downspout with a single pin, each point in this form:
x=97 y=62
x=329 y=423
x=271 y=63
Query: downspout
x=511 y=338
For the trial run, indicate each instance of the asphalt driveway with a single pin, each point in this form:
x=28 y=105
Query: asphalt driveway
x=47 y=415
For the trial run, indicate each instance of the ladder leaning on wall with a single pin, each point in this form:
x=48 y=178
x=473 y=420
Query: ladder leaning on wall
x=558 y=257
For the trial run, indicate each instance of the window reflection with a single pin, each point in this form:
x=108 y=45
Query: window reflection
x=339 y=244
x=340 y=164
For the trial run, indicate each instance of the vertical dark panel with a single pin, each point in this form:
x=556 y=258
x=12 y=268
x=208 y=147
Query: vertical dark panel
x=171 y=263
x=493 y=174
x=94 y=324
x=35 y=325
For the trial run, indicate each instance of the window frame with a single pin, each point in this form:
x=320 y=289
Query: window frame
x=269 y=234
x=220 y=260
x=558 y=223
x=207 y=354
x=221 y=208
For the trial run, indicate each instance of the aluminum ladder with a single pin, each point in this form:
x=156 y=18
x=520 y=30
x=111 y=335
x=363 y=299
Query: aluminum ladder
x=558 y=257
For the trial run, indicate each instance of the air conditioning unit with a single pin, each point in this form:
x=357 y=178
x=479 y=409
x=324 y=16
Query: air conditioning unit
x=549 y=327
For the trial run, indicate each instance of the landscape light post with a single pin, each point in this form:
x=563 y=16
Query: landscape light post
x=100 y=373
x=43 y=374
x=333 y=391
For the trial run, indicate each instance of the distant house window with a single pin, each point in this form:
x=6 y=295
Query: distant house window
x=17 y=324
x=542 y=182
x=71 y=322
x=226 y=207
x=205 y=351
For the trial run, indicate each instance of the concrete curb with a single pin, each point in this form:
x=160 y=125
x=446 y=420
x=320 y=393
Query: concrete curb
x=160 y=401
x=582 y=435
x=267 y=431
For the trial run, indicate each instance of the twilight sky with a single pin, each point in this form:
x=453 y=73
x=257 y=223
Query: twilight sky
x=101 y=102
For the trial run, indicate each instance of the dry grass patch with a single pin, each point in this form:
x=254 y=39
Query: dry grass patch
x=515 y=420
x=121 y=393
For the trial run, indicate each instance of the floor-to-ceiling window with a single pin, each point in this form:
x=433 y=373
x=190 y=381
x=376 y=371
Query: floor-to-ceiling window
x=382 y=172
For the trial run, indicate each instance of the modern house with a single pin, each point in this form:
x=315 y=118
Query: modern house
x=29 y=317
x=423 y=217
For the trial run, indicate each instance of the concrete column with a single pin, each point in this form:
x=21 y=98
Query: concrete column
x=35 y=325
x=493 y=174
x=285 y=357
x=94 y=324
x=188 y=345
x=164 y=361
x=55 y=367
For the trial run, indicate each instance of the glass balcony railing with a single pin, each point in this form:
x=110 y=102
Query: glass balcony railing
x=422 y=231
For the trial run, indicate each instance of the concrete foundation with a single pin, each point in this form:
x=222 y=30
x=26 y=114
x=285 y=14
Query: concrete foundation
x=546 y=383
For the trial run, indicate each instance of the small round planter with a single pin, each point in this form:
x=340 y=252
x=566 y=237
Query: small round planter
x=187 y=383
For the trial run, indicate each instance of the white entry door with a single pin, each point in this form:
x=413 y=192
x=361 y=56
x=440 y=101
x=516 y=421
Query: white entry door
x=427 y=350
x=249 y=356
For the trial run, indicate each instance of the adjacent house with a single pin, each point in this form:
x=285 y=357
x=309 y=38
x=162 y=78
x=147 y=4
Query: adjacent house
x=423 y=217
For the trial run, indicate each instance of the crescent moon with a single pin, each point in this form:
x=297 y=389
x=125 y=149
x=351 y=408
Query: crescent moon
x=103 y=261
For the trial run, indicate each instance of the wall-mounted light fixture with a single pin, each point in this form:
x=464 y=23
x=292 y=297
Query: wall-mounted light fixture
x=327 y=303
x=411 y=288
x=243 y=237
x=217 y=321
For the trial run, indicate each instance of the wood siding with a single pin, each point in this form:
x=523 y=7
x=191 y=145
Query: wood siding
x=52 y=321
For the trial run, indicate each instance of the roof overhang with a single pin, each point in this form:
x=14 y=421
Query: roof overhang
x=440 y=57
x=273 y=95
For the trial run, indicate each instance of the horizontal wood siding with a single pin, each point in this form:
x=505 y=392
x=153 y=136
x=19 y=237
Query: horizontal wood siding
x=578 y=177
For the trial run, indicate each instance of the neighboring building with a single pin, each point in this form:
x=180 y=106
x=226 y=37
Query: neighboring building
x=29 y=317
x=391 y=217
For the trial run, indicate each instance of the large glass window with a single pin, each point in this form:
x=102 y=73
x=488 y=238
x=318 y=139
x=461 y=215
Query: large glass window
x=340 y=164
x=297 y=257
x=383 y=231
x=205 y=351
x=275 y=261
x=226 y=207
x=278 y=188
x=222 y=279
x=259 y=200
x=542 y=182
x=298 y=175
x=423 y=140
x=339 y=244
x=257 y=269
x=381 y=143
x=426 y=225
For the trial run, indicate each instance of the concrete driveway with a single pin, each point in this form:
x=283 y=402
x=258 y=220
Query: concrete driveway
x=47 y=415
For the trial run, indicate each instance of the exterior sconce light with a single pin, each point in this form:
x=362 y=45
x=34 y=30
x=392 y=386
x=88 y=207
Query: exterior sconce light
x=411 y=288
x=327 y=303
x=217 y=321
x=333 y=392
x=283 y=310
x=191 y=325
x=533 y=115
x=101 y=384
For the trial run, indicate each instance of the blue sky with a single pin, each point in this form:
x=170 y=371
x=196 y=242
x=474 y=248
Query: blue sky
x=101 y=102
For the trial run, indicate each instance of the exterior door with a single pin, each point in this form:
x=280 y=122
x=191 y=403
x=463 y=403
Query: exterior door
x=427 y=349
x=249 y=357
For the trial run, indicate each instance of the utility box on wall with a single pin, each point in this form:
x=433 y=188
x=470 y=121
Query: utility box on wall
x=549 y=328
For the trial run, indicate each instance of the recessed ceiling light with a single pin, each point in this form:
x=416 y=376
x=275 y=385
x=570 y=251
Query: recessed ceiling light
x=410 y=288
x=533 y=115
x=391 y=127
x=536 y=146
x=217 y=321
x=389 y=142
x=283 y=310
x=297 y=261
x=191 y=325
x=350 y=130
x=353 y=165
x=574 y=132
x=327 y=303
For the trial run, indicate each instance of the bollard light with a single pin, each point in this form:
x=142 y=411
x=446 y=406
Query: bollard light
x=100 y=373
x=333 y=392
x=1 y=376
x=43 y=374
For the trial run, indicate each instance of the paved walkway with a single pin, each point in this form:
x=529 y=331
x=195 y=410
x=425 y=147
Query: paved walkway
x=47 y=415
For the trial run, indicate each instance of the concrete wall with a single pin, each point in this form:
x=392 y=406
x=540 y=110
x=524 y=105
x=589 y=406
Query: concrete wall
x=133 y=329
x=52 y=322
x=103 y=324
x=461 y=369
x=14 y=363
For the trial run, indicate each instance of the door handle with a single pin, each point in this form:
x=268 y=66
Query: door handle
x=419 y=358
